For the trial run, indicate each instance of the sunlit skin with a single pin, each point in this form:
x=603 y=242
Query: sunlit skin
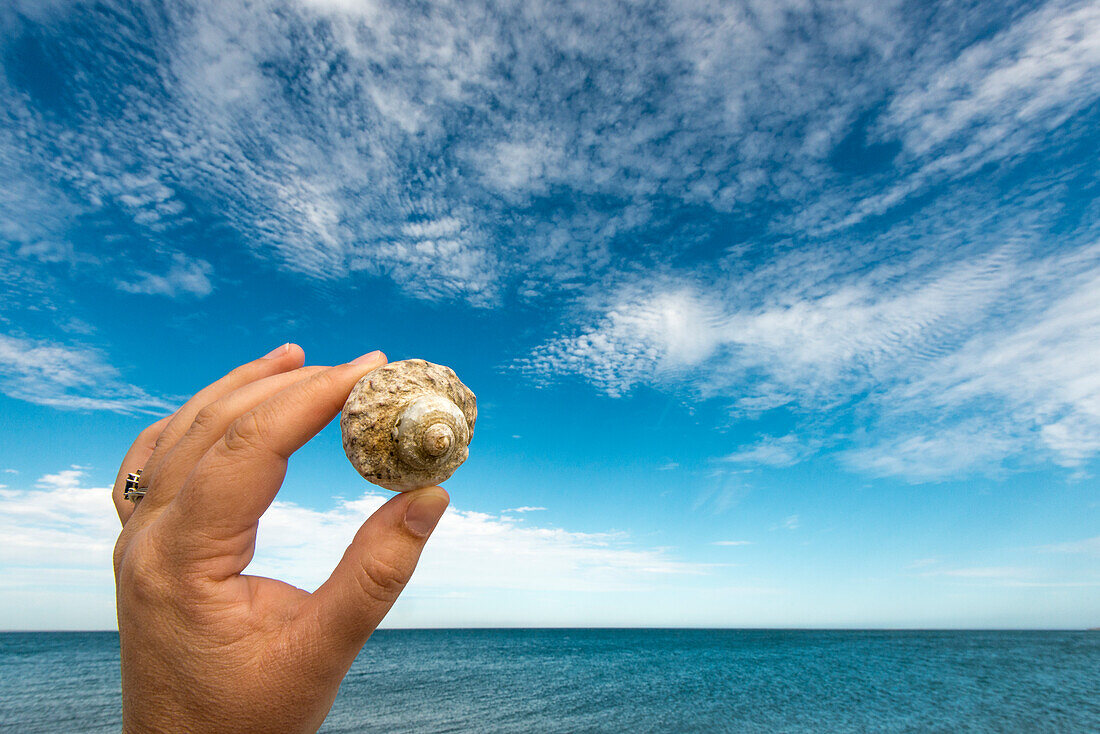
x=204 y=646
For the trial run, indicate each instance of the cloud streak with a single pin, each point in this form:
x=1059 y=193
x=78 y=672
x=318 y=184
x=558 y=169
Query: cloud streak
x=69 y=377
x=868 y=207
x=1001 y=348
x=476 y=146
x=1089 y=546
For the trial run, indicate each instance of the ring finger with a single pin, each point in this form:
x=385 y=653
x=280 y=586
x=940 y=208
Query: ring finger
x=134 y=460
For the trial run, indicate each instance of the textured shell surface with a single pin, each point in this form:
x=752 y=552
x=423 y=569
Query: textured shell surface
x=408 y=424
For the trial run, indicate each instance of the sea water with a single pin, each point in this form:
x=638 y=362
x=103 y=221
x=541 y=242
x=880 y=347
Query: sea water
x=633 y=681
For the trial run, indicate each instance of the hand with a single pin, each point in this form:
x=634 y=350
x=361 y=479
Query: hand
x=204 y=647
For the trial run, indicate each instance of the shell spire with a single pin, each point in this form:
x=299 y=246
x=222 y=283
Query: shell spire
x=408 y=424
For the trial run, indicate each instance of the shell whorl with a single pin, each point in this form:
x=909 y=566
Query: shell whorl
x=429 y=431
x=407 y=424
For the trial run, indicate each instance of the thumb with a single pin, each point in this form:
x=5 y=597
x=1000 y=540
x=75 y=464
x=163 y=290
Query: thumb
x=374 y=570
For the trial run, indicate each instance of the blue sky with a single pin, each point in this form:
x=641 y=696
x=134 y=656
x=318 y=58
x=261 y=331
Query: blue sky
x=778 y=313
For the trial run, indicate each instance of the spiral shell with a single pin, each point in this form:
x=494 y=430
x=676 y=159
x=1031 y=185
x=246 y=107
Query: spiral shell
x=408 y=424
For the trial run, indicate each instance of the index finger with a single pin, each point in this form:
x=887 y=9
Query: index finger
x=237 y=479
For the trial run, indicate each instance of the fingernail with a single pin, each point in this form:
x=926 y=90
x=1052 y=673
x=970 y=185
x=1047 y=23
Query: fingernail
x=424 y=512
x=368 y=357
x=277 y=351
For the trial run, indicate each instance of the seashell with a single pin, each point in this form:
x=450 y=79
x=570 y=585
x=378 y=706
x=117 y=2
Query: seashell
x=408 y=424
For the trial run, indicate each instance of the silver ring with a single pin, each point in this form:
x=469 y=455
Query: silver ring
x=132 y=491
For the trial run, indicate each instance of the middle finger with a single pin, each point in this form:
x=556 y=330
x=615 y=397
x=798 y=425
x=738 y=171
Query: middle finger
x=210 y=424
x=286 y=357
x=237 y=478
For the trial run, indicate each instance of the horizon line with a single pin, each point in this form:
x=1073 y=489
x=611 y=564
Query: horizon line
x=644 y=629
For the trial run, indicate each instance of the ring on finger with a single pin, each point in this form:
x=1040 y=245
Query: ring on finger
x=132 y=491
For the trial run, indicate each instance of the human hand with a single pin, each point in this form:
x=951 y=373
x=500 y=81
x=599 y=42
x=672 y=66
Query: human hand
x=204 y=647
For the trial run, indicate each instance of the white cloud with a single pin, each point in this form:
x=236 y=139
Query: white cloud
x=55 y=561
x=1035 y=383
x=70 y=377
x=732 y=543
x=433 y=228
x=596 y=154
x=923 y=563
x=812 y=346
x=719 y=492
x=989 y=103
x=523 y=509
x=468 y=551
x=60 y=535
x=66 y=479
x=983 y=572
x=1089 y=546
x=1041 y=69
x=774 y=451
x=640 y=336
x=1015 y=583
x=185 y=276
x=935 y=452
x=791 y=522
x=384 y=118
x=521 y=167
x=960 y=365
x=308 y=179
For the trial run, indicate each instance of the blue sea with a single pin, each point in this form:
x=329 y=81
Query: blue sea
x=632 y=681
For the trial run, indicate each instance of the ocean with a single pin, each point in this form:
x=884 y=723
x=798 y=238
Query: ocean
x=599 y=680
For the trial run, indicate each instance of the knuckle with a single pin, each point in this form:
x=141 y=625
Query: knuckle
x=243 y=371
x=207 y=419
x=163 y=441
x=319 y=384
x=245 y=435
x=151 y=472
x=381 y=580
x=119 y=552
x=141 y=569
